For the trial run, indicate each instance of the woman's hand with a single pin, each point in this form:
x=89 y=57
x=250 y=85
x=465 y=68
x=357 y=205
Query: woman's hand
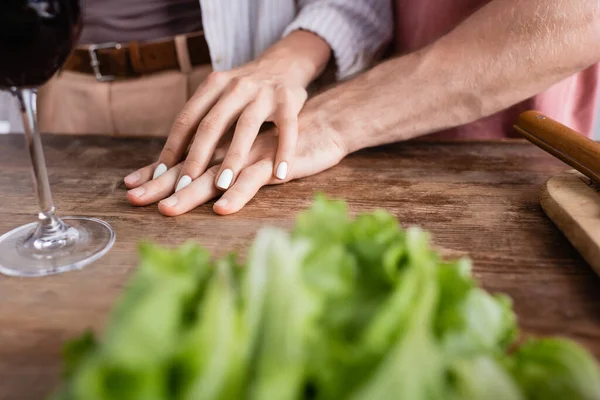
x=270 y=89
x=250 y=95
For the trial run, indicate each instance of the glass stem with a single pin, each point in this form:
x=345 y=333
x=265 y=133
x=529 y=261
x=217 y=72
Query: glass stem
x=51 y=233
x=27 y=98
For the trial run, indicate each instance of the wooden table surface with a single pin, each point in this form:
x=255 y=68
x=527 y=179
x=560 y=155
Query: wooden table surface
x=479 y=199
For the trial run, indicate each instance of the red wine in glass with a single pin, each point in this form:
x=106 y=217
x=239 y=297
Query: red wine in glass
x=36 y=37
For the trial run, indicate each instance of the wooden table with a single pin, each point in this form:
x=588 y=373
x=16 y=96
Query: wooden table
x=479 y=199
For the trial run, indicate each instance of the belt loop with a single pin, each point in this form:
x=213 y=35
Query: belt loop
x=183 y=55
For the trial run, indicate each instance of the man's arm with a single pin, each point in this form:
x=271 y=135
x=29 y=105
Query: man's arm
x=504 y=53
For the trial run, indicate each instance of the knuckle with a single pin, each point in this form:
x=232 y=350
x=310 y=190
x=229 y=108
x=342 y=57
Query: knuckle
x=234 y=157
x=169 y=152
x=264 y=93
x=193 y=168
x=217 y=78
x=258 y=168
x=242 y=84
x=291 y=98
x=285 y=93
x=286 y=120
x=249 y=120
x=210 y=123
x=182 y=121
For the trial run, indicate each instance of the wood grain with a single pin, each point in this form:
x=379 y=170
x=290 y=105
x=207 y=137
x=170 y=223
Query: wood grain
x=572 y=201
x=479 y=199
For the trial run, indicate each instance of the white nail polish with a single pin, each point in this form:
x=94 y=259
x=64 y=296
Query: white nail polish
x=161 y=169
x=183 y=182
x=282 y=170
x=225 y=179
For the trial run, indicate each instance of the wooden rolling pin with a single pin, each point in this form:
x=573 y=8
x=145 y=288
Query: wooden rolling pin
x=578 y=151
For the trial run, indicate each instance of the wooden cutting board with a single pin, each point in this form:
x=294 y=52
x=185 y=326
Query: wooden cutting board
x=572 y=201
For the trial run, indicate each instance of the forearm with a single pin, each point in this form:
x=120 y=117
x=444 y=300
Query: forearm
x=301 y=56
x=506 y=52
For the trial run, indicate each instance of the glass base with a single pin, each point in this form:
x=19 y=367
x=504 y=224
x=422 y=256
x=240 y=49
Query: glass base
x=85 y=241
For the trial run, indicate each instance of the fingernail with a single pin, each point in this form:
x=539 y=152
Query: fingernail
x=137 y=192
x=161 y=169
x=225 y=179
x=221 y=202
x=170 y=201
x=132 y=178
x=183 y=182
x=282 y=170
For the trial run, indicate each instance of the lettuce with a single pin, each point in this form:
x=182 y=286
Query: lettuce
x=555 y=368
x=339 y=308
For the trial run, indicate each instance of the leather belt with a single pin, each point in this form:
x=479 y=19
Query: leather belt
x=110 y=61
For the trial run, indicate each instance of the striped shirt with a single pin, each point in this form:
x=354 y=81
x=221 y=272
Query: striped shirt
x=237 y=31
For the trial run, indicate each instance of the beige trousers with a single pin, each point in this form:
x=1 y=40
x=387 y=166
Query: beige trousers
x=74 y=103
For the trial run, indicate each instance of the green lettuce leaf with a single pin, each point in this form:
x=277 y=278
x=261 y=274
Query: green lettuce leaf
x=288 y=312
x=482 y=378
x=210 y=362
x=555 y=369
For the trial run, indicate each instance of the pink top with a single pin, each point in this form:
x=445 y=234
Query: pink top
x=571 y=102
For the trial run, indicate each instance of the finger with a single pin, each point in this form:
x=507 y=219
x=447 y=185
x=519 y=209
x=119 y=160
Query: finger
x=289 y=104
x=251 y=180
x=212 y=127
x=140 y=176
x=246 y=130
x=187 y=121
x=195 y=194
x=154 y=190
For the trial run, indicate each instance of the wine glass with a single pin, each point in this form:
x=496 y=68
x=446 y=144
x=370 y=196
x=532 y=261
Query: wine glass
x=36 y=37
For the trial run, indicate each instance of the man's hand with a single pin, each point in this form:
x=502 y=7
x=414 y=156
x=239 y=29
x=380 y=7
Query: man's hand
x=319 y=151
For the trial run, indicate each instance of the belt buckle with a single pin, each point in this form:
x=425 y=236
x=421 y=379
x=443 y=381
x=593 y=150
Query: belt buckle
x=95 y=63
